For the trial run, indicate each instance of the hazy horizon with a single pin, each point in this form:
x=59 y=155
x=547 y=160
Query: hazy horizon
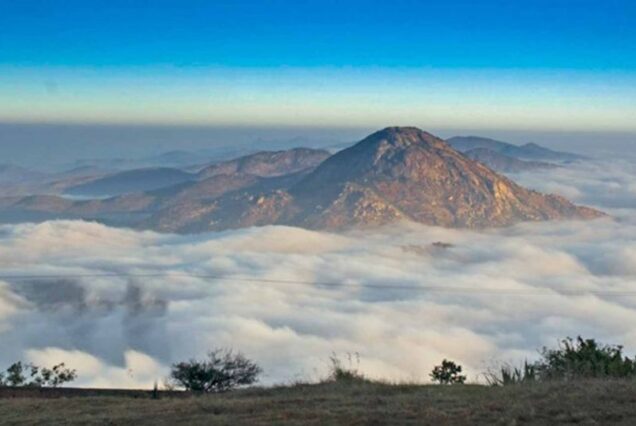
x=42 y=145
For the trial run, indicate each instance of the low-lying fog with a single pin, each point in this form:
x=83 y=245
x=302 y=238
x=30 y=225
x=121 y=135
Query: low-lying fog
x=120 y=305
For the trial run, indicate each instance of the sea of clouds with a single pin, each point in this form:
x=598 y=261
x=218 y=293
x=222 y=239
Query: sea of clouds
x=120 y=305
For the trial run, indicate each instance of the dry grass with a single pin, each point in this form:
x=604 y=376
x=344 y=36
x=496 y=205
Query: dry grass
x=583 y=402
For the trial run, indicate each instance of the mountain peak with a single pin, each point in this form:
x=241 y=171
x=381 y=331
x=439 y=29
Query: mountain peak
x=407 y=173
x=400 y=130
x=401 y=137
x=397 y=173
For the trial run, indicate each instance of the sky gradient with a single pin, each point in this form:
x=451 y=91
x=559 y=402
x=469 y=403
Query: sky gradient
x=555 y=65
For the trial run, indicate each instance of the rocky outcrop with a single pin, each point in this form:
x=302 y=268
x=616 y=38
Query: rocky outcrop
x=399 y=173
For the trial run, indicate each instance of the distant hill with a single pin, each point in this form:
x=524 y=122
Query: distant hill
x=260 y=164
x=137 y=180
x=142 y=192
x=504 y=163
x=268 y=163
x=10 y=173
x=399 y=173
x=180 y=159
x=394 y=174
x=529 y=151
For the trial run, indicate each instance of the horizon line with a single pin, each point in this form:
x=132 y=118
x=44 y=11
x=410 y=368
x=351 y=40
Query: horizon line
x=291 y=126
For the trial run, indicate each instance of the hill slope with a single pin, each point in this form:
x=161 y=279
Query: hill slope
x=10 y=173
x=145 y=191
x=529 y=151
x=504 y=163
x=268 y=163
x=396 y=173
x=260 y=164
x=136 y=180
x=598 y=401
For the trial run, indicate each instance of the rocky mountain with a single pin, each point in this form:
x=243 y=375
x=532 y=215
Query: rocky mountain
x=137 y=180
x=260 y=164
x=10 y=173
x=504 y=163
x=399 y=173
x=264 y=171
x=529 y=151
x=180 y=159
x=268 y=163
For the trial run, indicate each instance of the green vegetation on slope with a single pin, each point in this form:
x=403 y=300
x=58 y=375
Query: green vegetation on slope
x=593 y=401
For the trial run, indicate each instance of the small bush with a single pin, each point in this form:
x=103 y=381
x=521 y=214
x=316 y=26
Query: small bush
x=509 y=375
x=572 y=359
x=223 y=370
x=30 y=375
x=345 y=374
x=447 y=373
x=584 y=358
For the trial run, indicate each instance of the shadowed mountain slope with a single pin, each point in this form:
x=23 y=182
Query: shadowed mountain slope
x=504 y=163
x=268 y=163
x=399 y=173
x=263 y=171
x=529 y=151
x=137 y=180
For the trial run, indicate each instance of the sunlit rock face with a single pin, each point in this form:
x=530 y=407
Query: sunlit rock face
x=399 y=173
x=396 y=174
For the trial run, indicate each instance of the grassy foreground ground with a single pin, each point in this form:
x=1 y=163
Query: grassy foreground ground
x=582 y=402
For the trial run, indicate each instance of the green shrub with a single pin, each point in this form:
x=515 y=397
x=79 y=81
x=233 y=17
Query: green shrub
x=345 y=374
x=572 y=359
x=30 y=375
x=584 y=358
x=221 y=371
x=509 y=375
x=448 y=373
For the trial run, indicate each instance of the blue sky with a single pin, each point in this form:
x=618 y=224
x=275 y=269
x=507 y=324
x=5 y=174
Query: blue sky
x=492 y=63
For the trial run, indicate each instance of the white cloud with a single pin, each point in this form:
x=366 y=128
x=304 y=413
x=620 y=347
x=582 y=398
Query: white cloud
x=127 y=330
x=607 y=183
x=138 y=370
